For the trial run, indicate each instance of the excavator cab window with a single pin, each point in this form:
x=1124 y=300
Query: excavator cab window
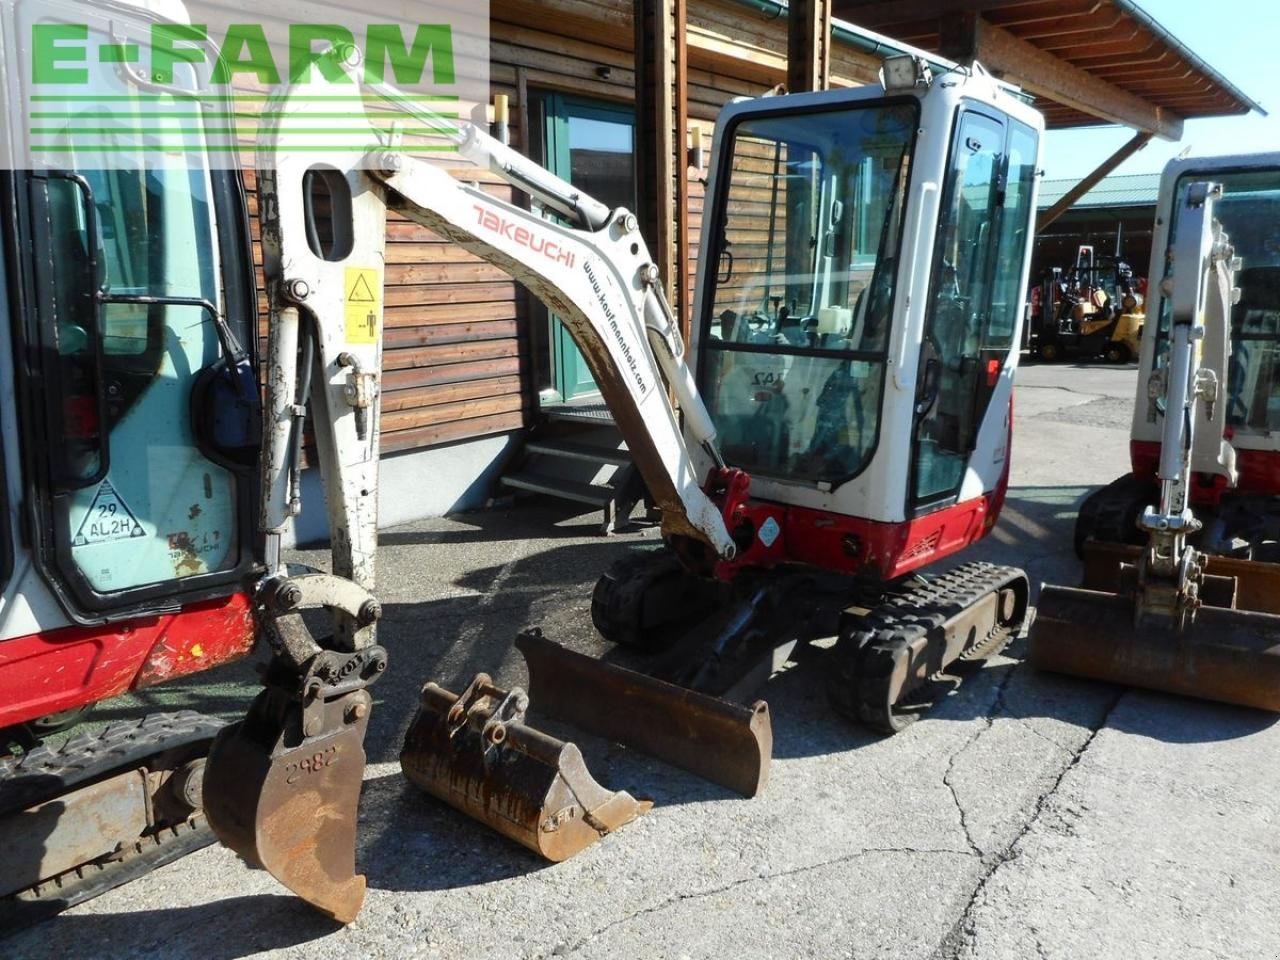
x=132 y=320
x=141 y=402
x=1250 y=214
x=798 y=313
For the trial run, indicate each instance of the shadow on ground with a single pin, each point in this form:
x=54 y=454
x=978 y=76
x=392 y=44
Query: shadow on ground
x=218 y=930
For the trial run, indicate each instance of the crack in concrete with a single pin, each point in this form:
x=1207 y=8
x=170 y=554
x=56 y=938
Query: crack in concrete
x=994 y=709
x=961 y=934
x=584 y=941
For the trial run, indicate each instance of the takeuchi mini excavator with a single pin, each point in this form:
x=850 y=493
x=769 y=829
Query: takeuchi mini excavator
x=1181 y=574
x=842 y=421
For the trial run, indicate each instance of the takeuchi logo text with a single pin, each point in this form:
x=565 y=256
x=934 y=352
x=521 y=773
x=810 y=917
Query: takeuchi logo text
x=62 y=53
x=524 y=236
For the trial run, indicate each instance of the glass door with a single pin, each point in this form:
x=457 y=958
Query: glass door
x=592 y=145
x=139 y=335
x=975 y=297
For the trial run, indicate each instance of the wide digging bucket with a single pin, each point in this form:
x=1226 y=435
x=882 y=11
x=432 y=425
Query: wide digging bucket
x=476 y=753
x=287 y=801
x=1228 y=655
x=724 y=742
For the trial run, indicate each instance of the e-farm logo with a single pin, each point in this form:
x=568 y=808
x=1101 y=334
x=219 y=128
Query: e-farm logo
x=57 y=47
x=211 y=79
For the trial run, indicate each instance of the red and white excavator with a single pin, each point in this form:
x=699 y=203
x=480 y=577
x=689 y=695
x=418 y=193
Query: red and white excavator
x=841 y=421
x=1181 y=556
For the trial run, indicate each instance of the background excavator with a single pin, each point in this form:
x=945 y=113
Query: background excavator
x=856 y=363
x=1181 y=582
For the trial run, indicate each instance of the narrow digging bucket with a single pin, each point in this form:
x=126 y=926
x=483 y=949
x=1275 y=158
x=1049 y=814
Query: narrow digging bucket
x=288 y=802
x=724 y=742
x=476 y=753
x=1232 y=656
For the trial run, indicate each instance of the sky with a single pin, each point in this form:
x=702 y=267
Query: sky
x=1238 y=38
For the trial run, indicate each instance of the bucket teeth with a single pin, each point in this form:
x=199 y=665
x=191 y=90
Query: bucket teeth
x=476 y=753
x=289 y=802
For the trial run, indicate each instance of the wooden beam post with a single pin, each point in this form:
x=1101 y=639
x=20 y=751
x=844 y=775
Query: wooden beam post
x=808 y=45
x=656 y=141
x=681 y=300
x=1068 y=200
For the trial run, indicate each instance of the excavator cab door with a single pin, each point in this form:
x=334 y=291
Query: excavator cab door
x=139 y=395
x=975 y=298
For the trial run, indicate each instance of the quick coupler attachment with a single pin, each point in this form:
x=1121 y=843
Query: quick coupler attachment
x=476 y=753
x=282 y=786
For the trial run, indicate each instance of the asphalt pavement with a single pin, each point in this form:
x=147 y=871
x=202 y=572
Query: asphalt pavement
x=1028 y=816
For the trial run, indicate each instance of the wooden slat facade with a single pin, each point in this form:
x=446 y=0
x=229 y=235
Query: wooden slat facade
x=458 y=341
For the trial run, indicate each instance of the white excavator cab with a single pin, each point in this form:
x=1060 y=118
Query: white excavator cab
x=131 y=422
x=859 y=307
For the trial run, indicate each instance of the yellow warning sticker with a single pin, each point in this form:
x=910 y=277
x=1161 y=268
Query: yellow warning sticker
x=362 y=302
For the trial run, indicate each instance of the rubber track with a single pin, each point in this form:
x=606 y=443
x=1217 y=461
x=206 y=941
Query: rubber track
x=618 y=600
x=1110 y=513
x=46 y=773
x=864 y=655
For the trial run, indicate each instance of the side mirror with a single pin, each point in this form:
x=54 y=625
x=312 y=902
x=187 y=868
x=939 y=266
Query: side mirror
x=226 y=414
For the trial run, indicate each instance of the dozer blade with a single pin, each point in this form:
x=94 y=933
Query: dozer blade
x=726 y=743
x=1228 y=655
x=476 y=753
x=288 y=801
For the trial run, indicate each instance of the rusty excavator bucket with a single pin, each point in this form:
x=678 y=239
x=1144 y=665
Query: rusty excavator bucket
x=476 y=753
x=282 y=786
x=1222 y=653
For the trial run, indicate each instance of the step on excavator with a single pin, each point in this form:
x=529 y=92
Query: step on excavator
x=842 y=420
x=1181 y=581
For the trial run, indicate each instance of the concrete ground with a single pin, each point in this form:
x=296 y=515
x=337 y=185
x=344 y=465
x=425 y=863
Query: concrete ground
x=1028 y=816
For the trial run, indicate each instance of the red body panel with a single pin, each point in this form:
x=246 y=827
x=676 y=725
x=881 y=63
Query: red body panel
x=852 y=545
x=1259 y=473
x=46 y=673
x=829 y=541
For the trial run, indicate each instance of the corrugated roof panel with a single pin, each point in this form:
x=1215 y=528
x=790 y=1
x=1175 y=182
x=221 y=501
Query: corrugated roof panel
x=1125 y=190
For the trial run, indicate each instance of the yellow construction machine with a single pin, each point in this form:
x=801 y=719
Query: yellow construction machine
x=1182 y=587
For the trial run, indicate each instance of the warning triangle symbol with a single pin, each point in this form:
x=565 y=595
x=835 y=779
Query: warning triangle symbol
x=108 y=518
x=360 y=291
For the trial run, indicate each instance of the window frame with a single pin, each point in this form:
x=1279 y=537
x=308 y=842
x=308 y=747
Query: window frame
x=1160 y=344
x=916 y=505
x=719 y=232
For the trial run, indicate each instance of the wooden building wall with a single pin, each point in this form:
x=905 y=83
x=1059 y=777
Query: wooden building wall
x=458 y=341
